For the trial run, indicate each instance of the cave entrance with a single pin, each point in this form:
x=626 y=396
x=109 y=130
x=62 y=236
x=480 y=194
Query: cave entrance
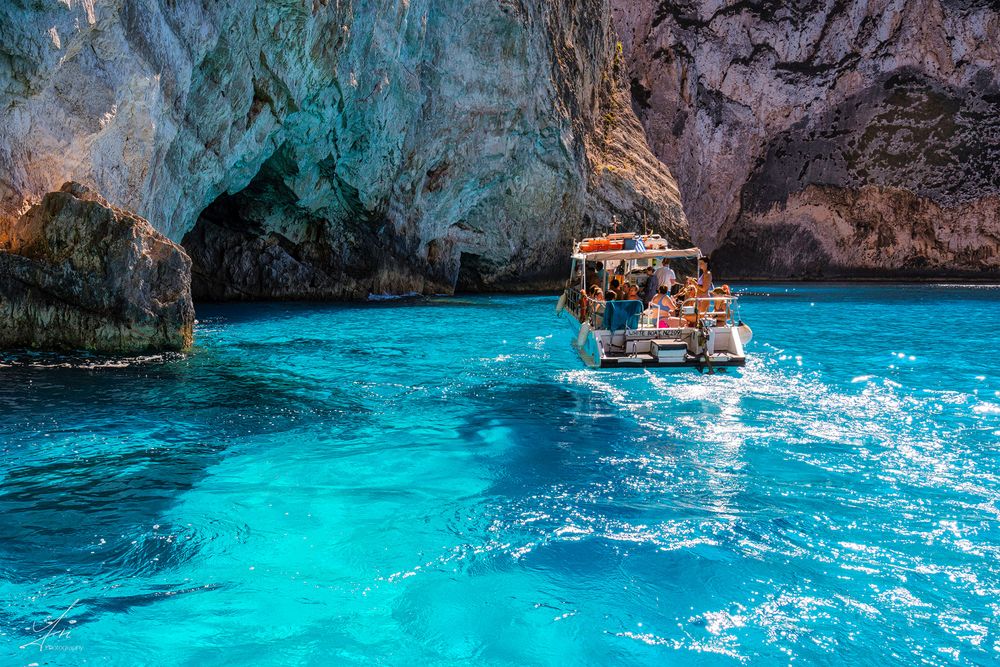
x=470 y=273
x=263 y=243
x=258 y=243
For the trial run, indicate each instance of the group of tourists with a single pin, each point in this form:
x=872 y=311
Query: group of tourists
x=667 y=302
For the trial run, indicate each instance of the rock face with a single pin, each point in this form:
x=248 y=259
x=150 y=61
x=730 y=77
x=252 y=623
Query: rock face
x=829 y=138
x=335 y=148
x=77 y=273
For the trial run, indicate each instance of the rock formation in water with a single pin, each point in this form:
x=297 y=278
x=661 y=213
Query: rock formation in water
x=78 y=273
x=335 y=148
x=829 y=138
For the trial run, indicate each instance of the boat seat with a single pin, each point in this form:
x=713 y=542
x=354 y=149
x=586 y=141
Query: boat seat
x=617 y=314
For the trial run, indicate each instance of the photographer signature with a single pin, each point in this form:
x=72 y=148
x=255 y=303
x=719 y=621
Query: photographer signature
x=52 y=629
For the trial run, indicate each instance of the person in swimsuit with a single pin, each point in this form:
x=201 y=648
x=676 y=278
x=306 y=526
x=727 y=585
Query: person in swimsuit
x=686 y=298
x=598 y=299
x=663 y=301
x=662 y=309
x=721 y=306
x=704 y=281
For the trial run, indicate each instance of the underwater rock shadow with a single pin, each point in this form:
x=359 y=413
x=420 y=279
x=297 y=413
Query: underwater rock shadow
x=85 y=510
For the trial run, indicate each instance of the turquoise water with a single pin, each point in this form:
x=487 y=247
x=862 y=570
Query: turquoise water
x=443 y=482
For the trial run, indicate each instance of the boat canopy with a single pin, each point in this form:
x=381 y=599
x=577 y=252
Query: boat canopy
x=605 y=255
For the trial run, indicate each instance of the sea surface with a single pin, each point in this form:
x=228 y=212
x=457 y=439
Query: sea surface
x=442 y=481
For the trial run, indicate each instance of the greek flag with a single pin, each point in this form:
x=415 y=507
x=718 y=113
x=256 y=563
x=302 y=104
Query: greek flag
x=640 y=246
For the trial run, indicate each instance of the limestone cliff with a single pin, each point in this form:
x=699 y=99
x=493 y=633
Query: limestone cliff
x=827 y=138
x=333 y=148
x=78 y=273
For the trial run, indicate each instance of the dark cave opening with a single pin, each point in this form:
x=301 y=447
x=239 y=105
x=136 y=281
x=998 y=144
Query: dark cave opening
x=237 y=252
x=263 y=242
x=470 y=273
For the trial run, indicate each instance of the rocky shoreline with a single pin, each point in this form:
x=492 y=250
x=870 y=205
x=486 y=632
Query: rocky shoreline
x=77 y=273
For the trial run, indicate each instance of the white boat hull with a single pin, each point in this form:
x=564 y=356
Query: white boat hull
x=638 y=348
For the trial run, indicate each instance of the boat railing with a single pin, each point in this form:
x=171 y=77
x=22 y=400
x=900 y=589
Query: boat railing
x=574 y=298
x=709 y=310
x=585 y=308
x=717 y=310
x=578 y=303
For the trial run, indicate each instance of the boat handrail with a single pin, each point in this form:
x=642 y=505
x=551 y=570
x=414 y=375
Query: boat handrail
x=575 y=300
x=721 y=297
x=669 y=253
x=594 y=314
x=577 y=293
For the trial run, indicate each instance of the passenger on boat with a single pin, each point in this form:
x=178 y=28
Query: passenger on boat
x=704 y=281
x=598 y=302
x=650 y=289
x=619 y=273
x=663 y=310
x=721 y=306
x=591 y=302
x=633 y=293
x=690 y=311
x=663 y=300
x=585 y=298
x=685 y=296
x=665 y=275
x=611 y=296
x=602 y=276
x=593 y=274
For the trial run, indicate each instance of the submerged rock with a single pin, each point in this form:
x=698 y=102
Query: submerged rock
x=78 y=273
x=827 y=139
x=311 y=148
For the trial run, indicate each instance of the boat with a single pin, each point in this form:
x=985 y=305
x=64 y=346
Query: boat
x=706 y=333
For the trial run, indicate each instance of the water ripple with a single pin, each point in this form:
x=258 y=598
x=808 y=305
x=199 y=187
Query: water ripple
x=295 y=492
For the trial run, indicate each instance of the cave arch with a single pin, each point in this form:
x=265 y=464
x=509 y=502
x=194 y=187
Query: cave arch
x=262 y=243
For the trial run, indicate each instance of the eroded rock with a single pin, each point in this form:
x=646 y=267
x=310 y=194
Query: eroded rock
x=826 y=139
x=79 y=274
x=307 y=148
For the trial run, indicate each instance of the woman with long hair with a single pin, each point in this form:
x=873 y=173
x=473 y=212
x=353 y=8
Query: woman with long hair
x=704 y=281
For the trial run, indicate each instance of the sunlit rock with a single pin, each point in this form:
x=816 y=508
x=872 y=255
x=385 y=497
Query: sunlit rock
x=79 y=274
x=311 y=148
x=827 y=139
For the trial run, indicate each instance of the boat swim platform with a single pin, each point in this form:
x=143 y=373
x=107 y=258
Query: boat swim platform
x=649 y=361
